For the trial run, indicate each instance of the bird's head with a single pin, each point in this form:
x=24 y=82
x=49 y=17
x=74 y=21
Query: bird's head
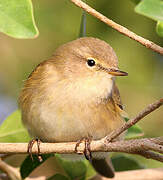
x=90 y=64
x=87 y=57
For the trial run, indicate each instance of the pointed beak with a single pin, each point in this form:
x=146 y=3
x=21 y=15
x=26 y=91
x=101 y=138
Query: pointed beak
x=116 y=72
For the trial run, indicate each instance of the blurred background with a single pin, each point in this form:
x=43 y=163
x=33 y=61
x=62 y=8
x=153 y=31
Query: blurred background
x=59 y=22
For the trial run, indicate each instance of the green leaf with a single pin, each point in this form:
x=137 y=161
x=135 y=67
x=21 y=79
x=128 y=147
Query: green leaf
x=29 y=165
x=152 y=9
x=16 y=19
x=134 y=131
x=90 y=170
x=124 y=163
x=12 y=129
x=126 y=119
x=159 y=28
x=74 y=169
x=58 y=177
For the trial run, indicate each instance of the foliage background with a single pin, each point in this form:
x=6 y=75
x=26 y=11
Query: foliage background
x=59 y=22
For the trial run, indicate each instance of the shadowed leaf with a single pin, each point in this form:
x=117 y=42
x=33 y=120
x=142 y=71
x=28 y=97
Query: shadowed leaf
x=74 y=169
x=29 y=165
x=136 y=1
x=134 y=131
x=124 y=163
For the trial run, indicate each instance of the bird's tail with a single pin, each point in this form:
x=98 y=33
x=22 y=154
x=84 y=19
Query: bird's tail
x=104 y=167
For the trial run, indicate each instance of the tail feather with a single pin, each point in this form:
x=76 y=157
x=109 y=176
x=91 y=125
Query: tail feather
x=104 y=167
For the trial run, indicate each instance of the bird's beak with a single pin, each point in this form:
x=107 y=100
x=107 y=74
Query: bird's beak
x=116 y=72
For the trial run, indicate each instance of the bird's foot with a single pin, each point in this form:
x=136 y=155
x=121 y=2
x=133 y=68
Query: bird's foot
x=87 y=151
x=30 y=146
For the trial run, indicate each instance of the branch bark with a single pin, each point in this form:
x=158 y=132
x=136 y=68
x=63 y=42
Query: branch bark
x=137 y=146
x=118 y=27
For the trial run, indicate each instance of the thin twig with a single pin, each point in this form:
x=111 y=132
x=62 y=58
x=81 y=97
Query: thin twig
x=150 y=108
x=118 y=27
x=151 y=155
x=12 y=172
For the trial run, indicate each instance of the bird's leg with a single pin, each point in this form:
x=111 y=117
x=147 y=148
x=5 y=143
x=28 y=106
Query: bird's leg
x=30 y=146
x=87 y=151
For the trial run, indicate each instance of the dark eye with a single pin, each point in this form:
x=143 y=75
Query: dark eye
x=91 y=62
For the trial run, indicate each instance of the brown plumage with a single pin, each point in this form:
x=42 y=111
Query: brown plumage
x=73 y=94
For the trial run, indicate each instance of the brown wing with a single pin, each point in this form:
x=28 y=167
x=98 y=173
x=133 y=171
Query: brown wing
x=104 y=166
x=117 y=100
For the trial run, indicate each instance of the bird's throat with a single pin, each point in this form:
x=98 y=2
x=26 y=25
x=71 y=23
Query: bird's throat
x=91 y=90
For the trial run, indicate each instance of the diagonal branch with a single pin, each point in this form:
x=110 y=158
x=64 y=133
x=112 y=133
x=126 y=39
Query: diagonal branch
x=118 y=27
x=150 y=108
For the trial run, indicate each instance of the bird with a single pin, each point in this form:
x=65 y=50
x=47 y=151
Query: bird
x=73 y=95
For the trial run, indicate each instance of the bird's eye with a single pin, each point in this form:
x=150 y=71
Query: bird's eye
x=91 y=62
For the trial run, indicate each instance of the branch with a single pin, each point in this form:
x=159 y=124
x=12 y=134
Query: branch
x=12 y=172
x=150 y=155
x=150 y=108
x=118 y=27
x=136 y=146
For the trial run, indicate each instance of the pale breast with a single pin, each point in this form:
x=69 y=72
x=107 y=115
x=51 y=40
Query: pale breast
x=72 y=122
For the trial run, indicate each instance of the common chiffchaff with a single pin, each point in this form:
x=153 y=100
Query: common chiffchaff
x=73 y=96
